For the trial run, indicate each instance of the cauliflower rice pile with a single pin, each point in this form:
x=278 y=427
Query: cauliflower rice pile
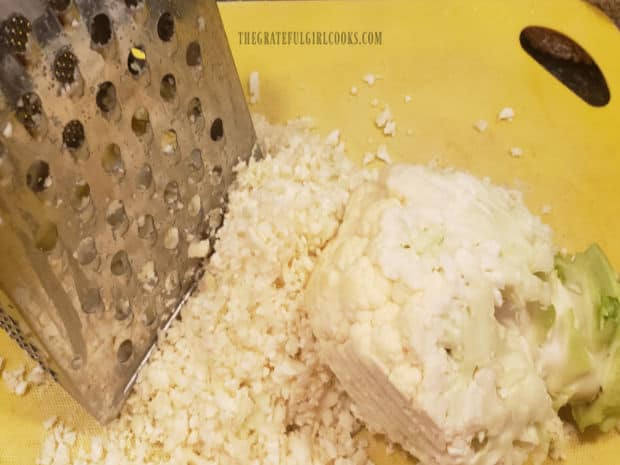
x=238 y=380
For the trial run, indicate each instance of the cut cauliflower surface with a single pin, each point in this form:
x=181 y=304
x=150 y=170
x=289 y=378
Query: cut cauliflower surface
x=406 y=303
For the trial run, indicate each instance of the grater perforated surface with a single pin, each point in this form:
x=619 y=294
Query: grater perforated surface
x=120 y=123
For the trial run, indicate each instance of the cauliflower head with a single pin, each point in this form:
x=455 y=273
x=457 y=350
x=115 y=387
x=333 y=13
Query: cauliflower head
x=408 y=301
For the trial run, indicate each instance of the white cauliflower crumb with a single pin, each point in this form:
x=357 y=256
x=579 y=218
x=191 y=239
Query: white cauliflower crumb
x=369 y=79
x=368 y=158
x=36 y=376
x=383 y=154
x=96 y=449
x=147 y=276
x=407 y=99
x=333 y=137
x=353 y=90
x=14 y=380
x=8 y=130
x=50 y=422
x=383 y=117
x=384 y=121
x=506 y=114
x=239 y=379
x=374 y=102
x=21 y=388
x=254 y=87
x=516 y=152
x=546 y=209
x=390 y=128
x=481 y=125
x=57 y=446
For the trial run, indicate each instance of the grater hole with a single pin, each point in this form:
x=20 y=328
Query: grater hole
x=140 y=121
x=120 y=263
x=195 y=160
x=132 y=3
x=196 y=165
x=193 y=54
x=193 y=208
x=116 y=216
x=14 y=33
x=112 y=162
x=168 y=142
x=80 y=196
x=149 y=316
x=194 y=110
x=60 y=5
x=77 y=362
x=144 y=178
x=217 y=129
x=29 y=111
x=46 y=237
x=38 y=176
x=73 y=134
x=86 y=251
x=165 y=27
x=65 y=65
x=215 y=219
x=171 y=193
x=168 y=87
x=91 y=301
x=216 y=175
x=172 y=284
x=136 y=60
x=123 y=309
x=125 y=350
x=101 y=29
x=171 y=238
x=106 y=97
x=146 y=228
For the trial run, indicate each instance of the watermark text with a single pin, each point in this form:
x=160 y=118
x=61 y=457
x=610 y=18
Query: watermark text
x=297 y=38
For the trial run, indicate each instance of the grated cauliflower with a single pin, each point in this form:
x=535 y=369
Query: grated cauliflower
x=406 y=303
x=239 y=379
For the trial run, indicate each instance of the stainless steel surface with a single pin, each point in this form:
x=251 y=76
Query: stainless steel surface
x=119 y=129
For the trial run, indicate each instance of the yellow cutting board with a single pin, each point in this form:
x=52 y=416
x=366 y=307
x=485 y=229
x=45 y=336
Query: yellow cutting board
x=460 y=61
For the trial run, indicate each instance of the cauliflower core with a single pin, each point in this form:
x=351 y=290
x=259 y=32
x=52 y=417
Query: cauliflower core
x=407 y=301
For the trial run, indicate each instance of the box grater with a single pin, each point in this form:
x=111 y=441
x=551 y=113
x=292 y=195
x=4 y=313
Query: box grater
x=120 y=124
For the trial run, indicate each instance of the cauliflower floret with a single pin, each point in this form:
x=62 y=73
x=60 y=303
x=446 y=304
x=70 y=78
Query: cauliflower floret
x=406 y=303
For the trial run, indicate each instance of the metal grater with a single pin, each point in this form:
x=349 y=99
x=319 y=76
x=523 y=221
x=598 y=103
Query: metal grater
x=120 y=124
